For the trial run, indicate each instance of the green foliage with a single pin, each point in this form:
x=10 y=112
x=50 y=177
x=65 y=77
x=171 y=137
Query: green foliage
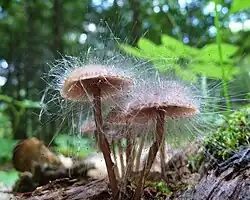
x=5 y=125
x=6 y=147
x=235 y=132
x=21 y=104
x=73 y=146
x=162 y=187
x=11 y=111
x=239 y=5
x=188 y=62
x=8 y=177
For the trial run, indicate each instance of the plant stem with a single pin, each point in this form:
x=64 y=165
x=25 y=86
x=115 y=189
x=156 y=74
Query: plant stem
x=163 y=157
x=119 y=143
x=138 y=156
x=128 y=150
x=152 y=153
x=129 y=167
x=103 y=142
x=218 y=41
x=115 y=158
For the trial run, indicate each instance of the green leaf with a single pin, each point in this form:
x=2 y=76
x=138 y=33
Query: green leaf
x=218 y=1
x=210 y=52
x=30 y=104
x=8 y=178
x=212 y=70
x=186 y=74
x=163 y=65
x=239 y=5
x=150 y=50
x=132 y=50
x=7 y=146
x=177 y=47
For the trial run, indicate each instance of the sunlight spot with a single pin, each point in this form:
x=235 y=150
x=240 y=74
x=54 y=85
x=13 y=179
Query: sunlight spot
x=120 y=3
x=195 y=22
x=3 y=64
x=97 y=2
x=157 y=9
x=82 y=38
x=182 y=3
x=212 y=31
x=165 y=8
x=209 y=8
x=92 y=27
x=224 y=10
x=3 y=80
x=155 y=2
x=219 y=7
x=236 y=26
x=186 y=39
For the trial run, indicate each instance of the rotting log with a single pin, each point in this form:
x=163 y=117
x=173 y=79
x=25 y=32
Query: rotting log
x=95 y=190
x=230 y=181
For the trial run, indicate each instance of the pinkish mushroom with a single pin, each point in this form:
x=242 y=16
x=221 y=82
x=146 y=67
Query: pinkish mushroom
x=155 y=104
x=93 y=83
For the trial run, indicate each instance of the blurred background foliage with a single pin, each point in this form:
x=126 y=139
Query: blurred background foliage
x=201 y=40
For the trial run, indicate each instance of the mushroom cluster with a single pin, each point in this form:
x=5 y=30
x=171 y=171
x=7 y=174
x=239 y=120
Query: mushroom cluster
x=146 y=102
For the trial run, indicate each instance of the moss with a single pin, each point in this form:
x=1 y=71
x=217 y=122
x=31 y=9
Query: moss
x=234 y=133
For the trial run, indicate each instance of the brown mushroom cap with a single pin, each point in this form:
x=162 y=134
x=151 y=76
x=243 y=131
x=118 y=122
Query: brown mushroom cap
x=143 y=113
x=83 y=81
x=145 y=103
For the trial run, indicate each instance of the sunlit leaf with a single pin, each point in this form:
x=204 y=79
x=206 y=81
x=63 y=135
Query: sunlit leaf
x=150 y=50
x=132 y=50
x=7 y=146
x=210 y=52
x=162 y=65
x=212 y=70
x=177 y=47
x=239 y=5
x=186 y=74
x=31 y=104
x=9 y=178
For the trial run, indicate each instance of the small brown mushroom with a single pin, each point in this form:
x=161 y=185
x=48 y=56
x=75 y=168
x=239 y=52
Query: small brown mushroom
x=155 y=105
x=84 y=82
x=93 y=83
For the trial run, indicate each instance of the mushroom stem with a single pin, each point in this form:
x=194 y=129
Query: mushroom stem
x=138 y=156
x=152 y=153
x=129 y=167
x=163 y=156
x=128 y=150
x=103 y=142
x=115 y=159
x=121 y=157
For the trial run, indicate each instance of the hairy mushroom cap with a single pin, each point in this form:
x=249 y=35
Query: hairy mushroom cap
x=144 y=104
x=83 y=81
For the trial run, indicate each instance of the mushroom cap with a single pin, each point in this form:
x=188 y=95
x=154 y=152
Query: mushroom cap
x=144 y=113
x=82 y=82
x=145 y=103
